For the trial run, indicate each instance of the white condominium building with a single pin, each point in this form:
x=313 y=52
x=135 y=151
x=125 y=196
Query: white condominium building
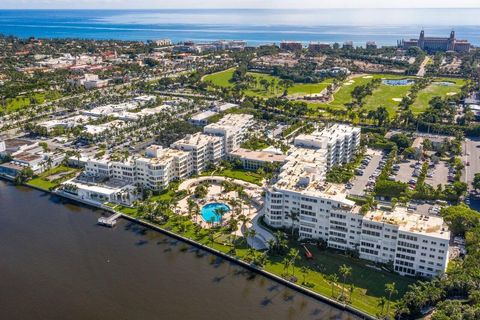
x=340 y=142
x=417 y=244
x=155 y=171
x=233 y=129
x=204 y=149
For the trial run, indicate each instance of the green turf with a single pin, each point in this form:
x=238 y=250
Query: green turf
x=384 y=95
x=435 y=90
x=369 y=283
x=222 y=79
x=44 y=182
x=12 y=105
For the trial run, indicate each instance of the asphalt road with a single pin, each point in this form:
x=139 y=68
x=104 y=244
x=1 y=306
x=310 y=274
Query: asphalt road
x=471 y=154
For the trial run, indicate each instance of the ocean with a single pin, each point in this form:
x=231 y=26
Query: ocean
x=256 y=26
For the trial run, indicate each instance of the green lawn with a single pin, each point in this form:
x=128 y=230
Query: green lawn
x=244 y=175
x=18 y=103
x=222 y=79
x=384 y=95
x=46 y=181
x=369 y=283
x=436 y=90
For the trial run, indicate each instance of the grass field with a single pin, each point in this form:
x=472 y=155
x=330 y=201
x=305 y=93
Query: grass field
x=368 y=283
x=18 y=103
x=385 y=94
x=436 y=90
x=53 y=177
x=244 y=175
x=222 y=79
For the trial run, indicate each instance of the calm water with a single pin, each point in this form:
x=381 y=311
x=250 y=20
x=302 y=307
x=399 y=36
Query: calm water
x=55 y=263
x=385 y=26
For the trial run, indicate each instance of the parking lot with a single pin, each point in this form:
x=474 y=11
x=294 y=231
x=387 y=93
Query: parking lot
x=359 y=183
x=406 y=171
x=439 y=175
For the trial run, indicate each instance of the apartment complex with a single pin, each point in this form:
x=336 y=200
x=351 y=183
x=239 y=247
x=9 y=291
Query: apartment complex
x=339 y=142
x=204 y=150
x=187 y=156
x=232 y=128
x=415 y=244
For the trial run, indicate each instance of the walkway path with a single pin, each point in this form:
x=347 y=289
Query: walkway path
x=262 y=235
x=421 y=71
x=187 y=184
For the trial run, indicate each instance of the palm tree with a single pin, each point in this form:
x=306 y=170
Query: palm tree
x=345 y=271
x=286 y=264
x=304 y=272
x=390 y=290
x=352 y=288
x=293 y=255
x=381 y=304
x=293 y=215
x=332 y=279
x=271 y=244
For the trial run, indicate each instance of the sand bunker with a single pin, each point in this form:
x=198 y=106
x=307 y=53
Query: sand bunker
x=451 y=93
x=367 y=77
x=397 y=99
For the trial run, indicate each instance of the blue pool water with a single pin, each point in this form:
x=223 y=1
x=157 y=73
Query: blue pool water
x=400 y=82
x=444 y=84
x=209 y=212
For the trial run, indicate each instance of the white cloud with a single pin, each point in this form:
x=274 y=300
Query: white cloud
x=145 y=4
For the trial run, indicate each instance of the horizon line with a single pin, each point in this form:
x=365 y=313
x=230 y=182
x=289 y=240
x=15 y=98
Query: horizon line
x=239 y=8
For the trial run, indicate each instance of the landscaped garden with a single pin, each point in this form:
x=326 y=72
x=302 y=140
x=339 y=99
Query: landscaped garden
x=53 y=177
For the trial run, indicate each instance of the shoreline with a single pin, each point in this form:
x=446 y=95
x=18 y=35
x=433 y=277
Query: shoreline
x=269 y=275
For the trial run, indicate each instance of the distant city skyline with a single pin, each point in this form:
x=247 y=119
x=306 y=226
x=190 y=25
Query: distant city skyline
x=277 y=4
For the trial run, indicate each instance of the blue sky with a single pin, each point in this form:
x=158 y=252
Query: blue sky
x=145 y=4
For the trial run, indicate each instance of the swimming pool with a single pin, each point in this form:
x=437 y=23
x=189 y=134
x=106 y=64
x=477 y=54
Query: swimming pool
x=210 y=212
x=399 y=82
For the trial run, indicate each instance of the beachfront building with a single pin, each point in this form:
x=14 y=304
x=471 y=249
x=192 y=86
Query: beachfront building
x=434 y=44
x=291 y=45
x=371 y=45
x=348 y=45
x=318 y=46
